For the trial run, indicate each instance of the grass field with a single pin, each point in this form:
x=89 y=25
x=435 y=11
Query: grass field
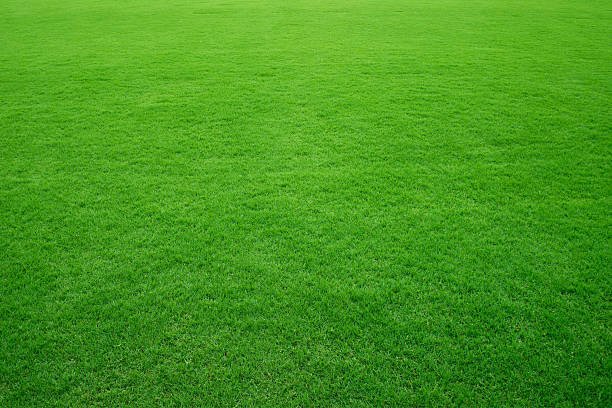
x=305 y=203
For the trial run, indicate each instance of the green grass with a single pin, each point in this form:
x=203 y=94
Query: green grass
x=305 y=203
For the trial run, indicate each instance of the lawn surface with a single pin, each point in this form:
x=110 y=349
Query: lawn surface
x=305 y=203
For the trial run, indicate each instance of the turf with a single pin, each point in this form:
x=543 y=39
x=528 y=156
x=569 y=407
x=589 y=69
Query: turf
x=305 y=203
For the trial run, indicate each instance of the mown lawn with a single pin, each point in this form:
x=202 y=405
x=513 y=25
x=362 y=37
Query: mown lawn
x=305 y=203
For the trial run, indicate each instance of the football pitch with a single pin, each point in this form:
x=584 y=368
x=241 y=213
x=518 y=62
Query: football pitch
x=305 y=203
